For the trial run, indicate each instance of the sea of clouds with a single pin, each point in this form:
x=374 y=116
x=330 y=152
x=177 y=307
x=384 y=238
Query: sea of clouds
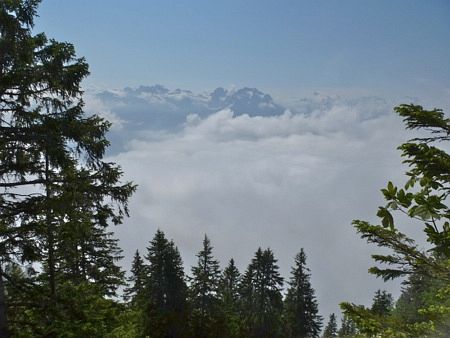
x=288 y=179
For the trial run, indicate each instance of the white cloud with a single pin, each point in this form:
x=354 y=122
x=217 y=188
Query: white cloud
x=286 y=181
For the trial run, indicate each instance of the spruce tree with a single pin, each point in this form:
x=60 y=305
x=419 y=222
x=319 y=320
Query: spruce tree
x=52 y=172
x=85 y=251
x=135 y=292
x=301 y=310
x=166 y=311
x=382 y=304
x=415 y=296
x=247 y=301
x=330 y=330
x=204 y=293
x=261 y=297
x=348 y=328
x=229 y=283
x=229 y=298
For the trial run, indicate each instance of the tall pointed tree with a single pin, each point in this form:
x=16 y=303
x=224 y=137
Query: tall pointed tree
x=247 y=300
x=229 y=298
x=383 y=303
x=204 y=291
x=348 y=328
x=166 y=312
x=331 y=330
x=301 y=310
x=135 y=292
x=262 y=303
x=51 y=164
x=229 y=283
x=415 y=296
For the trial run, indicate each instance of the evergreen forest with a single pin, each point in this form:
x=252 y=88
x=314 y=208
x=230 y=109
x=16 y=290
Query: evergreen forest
x=60 y=270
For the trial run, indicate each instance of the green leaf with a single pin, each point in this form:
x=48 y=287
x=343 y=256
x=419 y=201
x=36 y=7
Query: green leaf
x=386 y=218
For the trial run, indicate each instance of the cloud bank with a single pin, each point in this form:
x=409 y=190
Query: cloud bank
x=283 y=181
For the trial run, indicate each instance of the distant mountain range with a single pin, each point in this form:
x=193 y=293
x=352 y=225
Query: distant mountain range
x=134 y=111
x=156 y=107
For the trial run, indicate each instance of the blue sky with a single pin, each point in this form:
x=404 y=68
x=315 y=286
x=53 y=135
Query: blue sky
x=278 y=46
